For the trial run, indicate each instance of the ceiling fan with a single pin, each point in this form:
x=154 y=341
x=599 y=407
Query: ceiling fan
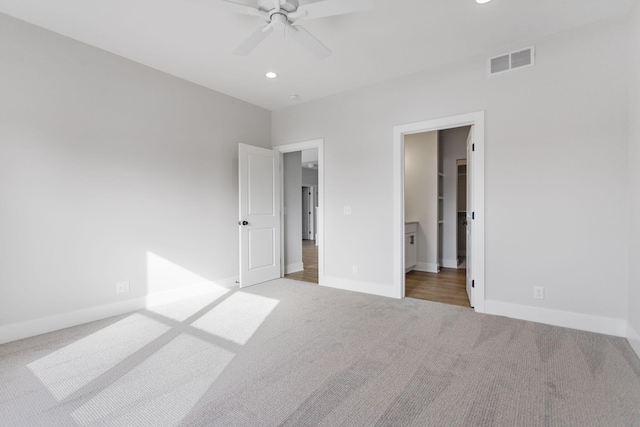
x=282 y=14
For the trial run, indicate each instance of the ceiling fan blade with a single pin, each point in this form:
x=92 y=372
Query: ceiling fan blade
x=321 y=9
x=254 y=40
x=306 y=39
x=241 y=8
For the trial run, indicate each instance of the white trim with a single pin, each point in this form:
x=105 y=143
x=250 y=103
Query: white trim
x=294 y=268
x=43 y=325
x=634 y=338
x=363 y=287
x=308 y=145
x=450 y=263
x=477 y=120
x=567 y=319
x=427 y=267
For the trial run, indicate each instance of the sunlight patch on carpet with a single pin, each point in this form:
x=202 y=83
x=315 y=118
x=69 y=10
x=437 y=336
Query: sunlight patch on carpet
x=67 y=370
x=166 y=386
x=238 y=317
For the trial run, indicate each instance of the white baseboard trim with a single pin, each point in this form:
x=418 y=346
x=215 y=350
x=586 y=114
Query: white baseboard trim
x=634 y=338
x=43 y=325
x=294 y=268
x=567 y=319
x=450 y=263
x=427 y=267
x=364 y=287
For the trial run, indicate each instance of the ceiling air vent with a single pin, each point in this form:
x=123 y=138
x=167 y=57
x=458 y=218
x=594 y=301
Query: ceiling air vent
x=511 y=61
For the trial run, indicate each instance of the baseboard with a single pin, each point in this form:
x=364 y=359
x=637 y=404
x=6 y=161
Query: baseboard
x=294 y=268
x=450 y=263
x=364 y=287
x=427 y=267
x=634 y=338
x=584 y=322
x=43 y=325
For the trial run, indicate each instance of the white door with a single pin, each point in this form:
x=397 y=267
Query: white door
x=306 y=223
x=259 y=220
x=469 y=218
x=308 y=212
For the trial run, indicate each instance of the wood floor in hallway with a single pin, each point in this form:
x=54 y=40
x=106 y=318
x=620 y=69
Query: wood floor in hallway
x=447 y=287
x=310 y=261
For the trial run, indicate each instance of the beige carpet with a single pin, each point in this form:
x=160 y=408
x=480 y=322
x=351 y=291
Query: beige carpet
x=295 y=354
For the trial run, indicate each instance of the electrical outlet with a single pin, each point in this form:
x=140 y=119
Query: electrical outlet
x=347 y=210
x=538 y=292
x=122 y=287
x=354 y=270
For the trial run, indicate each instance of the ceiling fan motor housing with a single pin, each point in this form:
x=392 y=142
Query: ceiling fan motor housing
x=269 y=5
x=281 y=14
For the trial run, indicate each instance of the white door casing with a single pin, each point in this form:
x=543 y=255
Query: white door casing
x=475 y=119
x=259 y=216
x=469 y=218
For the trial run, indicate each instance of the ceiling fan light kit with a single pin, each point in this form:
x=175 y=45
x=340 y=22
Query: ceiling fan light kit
x=282 y=14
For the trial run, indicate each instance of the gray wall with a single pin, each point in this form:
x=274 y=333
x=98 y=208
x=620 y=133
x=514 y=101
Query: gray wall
x=108 y=168
x=634 y=179
x=293 y=211
x=556 y=170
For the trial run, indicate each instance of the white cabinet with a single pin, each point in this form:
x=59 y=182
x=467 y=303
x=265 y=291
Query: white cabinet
x=410 y=245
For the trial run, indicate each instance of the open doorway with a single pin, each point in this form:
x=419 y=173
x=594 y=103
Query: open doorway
x=440 y=256
x=432 y=195
x=302 y=177
x=300 y=239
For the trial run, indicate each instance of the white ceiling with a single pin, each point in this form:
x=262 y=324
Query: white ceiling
x=194 y=39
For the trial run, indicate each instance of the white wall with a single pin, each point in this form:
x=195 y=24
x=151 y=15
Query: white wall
x=453 y=144
x=293 y=212
x=634 y=181
x=556 y=181
x=109 y=169
x=421 y=195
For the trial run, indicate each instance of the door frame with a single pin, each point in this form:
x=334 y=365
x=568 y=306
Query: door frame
x=290 y=148
x=476 y=120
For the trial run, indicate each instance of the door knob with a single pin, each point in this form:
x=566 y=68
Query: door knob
x=243 y=223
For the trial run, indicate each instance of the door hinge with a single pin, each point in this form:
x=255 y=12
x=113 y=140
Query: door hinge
x=473 y=283
x=473 y=147
x=473 y=215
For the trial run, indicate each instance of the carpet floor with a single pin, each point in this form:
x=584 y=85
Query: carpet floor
x=287 y=353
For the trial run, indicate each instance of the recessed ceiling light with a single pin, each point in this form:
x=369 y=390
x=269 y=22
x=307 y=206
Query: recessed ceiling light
x=482 y=1
x=271 y=75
